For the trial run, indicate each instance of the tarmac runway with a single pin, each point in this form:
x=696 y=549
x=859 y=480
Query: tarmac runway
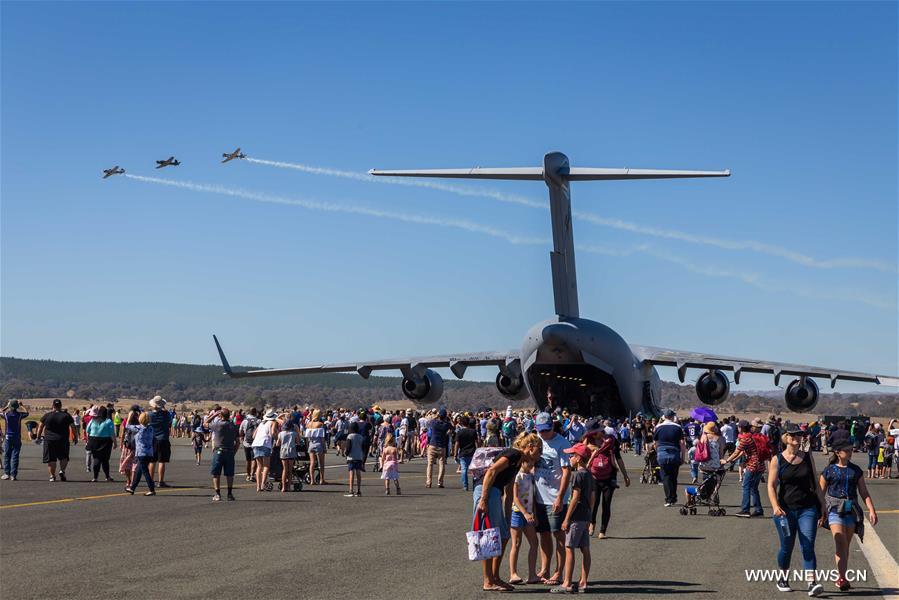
x=91 y=540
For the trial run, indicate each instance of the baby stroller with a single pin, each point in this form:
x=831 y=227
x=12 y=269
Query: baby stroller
x=299 y=474
x=705 y=494
x=650 y=468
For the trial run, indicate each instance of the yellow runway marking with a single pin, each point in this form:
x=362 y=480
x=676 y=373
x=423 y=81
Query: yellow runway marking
x=100 y=497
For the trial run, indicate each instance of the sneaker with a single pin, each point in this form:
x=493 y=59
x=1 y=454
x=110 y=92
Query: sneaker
x=163 y=484
x=440 y=485
x=815 y=588
x=4 y=477
x=783 y=586
x=758 y=513
x=62 y=475
x=150 y=494
x=53 y=479
x=601 y=536
x=231 y=498
x=669 y=504
x=110 y=479
x=94 y=480
x=12 y=478
x=130 y=491
x=742 y=513
x=217 y=498
x=349 y=495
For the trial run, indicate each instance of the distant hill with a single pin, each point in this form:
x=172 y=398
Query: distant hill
x=29 y=378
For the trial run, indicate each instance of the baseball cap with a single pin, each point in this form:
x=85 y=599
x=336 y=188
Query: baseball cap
x=669 y=413
x=544 y=422
x=442 y=412
x=743 y=424
x=840 y=444
x=580 y=449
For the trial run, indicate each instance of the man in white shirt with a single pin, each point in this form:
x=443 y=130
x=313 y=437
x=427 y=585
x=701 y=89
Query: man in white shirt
x=553 y=474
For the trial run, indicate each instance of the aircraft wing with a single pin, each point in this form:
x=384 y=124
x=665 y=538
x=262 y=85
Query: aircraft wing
x=683 y=360
x=457 y=363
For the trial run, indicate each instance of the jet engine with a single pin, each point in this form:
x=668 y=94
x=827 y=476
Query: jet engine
x=511 y=384
x=713 y=387
x=424 y=389
x=802 y=395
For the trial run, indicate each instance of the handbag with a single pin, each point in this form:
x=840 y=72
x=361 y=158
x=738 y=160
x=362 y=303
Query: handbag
x=92 y=444
x=701 y=454
x=483 y=544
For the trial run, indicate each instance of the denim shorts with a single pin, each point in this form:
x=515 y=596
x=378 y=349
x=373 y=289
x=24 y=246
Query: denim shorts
x=261 y=452
x=547 y=520
x=518 y=520
x=222 y=460
x=844 y=520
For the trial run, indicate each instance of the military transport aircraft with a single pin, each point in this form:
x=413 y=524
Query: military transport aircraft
x=116 y=170
x=584 y=365
x=169 y=162
x=233 y=155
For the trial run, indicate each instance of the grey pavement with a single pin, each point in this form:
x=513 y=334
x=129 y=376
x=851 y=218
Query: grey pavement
x=89 y=540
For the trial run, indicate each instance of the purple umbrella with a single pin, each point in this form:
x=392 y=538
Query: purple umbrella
x=704 y=414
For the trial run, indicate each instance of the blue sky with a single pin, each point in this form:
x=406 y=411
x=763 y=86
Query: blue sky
x=799 y=100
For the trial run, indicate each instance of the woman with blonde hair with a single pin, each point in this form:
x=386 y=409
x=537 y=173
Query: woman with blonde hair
x=315 y=433
x=494 y=491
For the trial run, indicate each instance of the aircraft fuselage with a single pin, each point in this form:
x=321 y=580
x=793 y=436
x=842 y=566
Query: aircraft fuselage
x=589 y=367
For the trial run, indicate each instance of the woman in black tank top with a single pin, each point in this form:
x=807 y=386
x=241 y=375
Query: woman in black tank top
x=797 y=504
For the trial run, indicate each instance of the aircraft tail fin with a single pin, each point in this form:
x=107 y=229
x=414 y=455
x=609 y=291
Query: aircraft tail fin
x=224 y=360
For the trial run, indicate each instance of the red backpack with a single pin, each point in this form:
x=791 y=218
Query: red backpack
x=601 y=465
x=762 y=447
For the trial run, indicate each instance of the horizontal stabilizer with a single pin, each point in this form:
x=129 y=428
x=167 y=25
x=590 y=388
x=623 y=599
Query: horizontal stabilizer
x=590 y=174
x=526 y=173
x=536 y=173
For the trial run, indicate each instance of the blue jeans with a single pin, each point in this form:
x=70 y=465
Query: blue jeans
x=694 y=470
x=751 y=491
x=638 y=446
x=465 y=462
x=143 y=469
x=11 y=449
x=804 y=522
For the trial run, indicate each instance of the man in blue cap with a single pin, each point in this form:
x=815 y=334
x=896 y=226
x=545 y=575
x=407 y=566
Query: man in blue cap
x=553 y=474
x=438 y=437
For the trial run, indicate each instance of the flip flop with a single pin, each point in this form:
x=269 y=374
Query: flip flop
x=516 y=581
x=561 y=589
x=551 y=581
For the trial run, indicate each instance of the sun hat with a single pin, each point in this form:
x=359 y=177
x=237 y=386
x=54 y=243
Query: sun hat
x=794 y=429
x=270 y=416
x=709 y=427
x=757 y=423
x=157 y=402
x=544 y=422
x=580 y=449
x=841 y=444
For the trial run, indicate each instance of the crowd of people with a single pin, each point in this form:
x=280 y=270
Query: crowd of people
x=544 y=478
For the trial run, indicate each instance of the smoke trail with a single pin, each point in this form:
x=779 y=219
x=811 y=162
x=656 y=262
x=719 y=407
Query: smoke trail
x=459 y=190
x=649 y=230
x=347 y=209
x=747 y=278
